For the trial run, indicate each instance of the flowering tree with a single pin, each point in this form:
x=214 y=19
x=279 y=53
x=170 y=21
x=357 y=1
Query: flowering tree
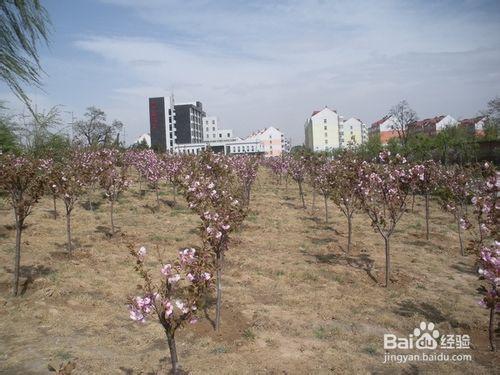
x=23 y=179
x=174 y=298
x=383 y=189
x=424 y=180
x=342 y=179
x=74 y=173
x=297 y=169
x=246 y=169
x=454 y=193
x=486 y=206
x=114 y=179
x=173 y=165
x=212 y=190
x=321 y=175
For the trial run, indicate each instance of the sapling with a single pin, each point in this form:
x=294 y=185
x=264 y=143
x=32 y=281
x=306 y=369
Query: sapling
x=74 y=176
x=23 y=178
x=486 y=244
x=212 y=190
x=114 y=180
x=424 y=180
x=297 y=170
x=383 y=189
x=174 y=295
x=455 y=193
x=342 y=179
x=246 y=168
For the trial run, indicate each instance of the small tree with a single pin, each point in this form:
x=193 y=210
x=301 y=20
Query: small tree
x=343 y=180
x=485 y=246
x=23 y=179
x=94 y=131
x=246 y=169
x=424 y=180
x=114 y=179
x=383 y=191
x=212 y=190
x=454 y=193
x=73 y=175
x=176 y=298
x=297 y=170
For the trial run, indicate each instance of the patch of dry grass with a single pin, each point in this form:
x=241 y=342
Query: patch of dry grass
x=293 y=301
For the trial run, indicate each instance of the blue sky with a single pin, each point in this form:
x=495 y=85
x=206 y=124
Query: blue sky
x=261 y=63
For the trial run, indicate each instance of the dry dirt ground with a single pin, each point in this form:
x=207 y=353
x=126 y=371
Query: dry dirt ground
x=293 y=301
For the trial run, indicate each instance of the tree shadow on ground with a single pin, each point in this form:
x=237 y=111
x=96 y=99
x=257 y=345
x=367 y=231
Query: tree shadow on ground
x=363 y=262
x=408 y=308
x=30 y=274
x=465 y=268
x=90 y=205
x=107 y=230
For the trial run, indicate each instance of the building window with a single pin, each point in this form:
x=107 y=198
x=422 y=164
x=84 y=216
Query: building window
x=208 y=136
x=326 y=128
x=228 y=135
x=326 y=135
x=213 y=122
x=326 y=141
x=220 y=135
x=324 y=121
x=213 y=128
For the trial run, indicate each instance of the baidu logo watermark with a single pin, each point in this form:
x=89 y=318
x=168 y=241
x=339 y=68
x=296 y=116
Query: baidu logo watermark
x=426 y=337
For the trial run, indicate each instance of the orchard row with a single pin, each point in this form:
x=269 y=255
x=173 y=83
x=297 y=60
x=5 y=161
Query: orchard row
x=218 y=189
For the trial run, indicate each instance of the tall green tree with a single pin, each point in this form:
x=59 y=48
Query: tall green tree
x=24 y=25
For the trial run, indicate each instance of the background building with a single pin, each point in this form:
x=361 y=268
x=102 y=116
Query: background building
x=188 y=121
x=162 y=138
x=474 y=126
x=272 y=140
x=355 y=132
x=323 y=130
x=211 y=131
x=432 y=126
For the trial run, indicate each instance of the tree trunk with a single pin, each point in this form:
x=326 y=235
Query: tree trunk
x=68 y=230
x=157 y=196
x=412 y=201
x=17 y=259
x=112 y=219
x=387 y=261
x=326 y=209
x=173 y=353
x=174 y=188
x=55 y=206
x=491 y=328
x=349 y=233
x=313 y=201
x=219 y=291
x=301 y=195
x=460 y=238
x=427 y=216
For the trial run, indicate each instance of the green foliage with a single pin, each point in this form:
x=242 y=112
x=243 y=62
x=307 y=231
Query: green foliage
x=23 y=26
x=8 y=138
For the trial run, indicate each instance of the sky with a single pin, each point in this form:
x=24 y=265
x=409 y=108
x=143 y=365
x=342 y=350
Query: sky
x=265 y=63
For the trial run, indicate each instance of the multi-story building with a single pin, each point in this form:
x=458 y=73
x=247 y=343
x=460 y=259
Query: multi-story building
x=384 y=129
x=474 y=126
x=355 y=132
x=163 y=138
x=324 y=130
x=272 y=140
x=244 y=146
x=432 y=126
x=189 y=122
x=211 y=131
